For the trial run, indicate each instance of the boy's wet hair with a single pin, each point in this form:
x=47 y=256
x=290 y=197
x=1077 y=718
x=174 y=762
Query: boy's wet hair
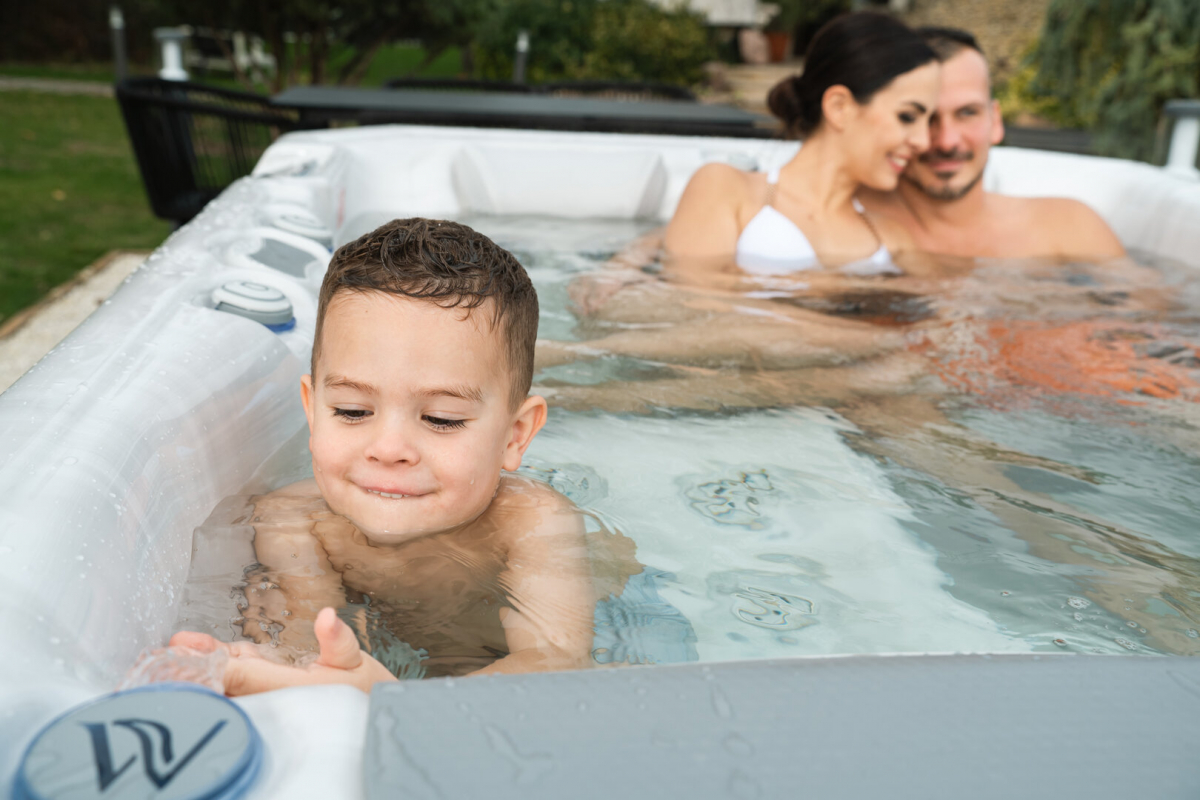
x=450 y=265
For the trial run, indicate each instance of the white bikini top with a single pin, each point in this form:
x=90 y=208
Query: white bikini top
x=771 y=244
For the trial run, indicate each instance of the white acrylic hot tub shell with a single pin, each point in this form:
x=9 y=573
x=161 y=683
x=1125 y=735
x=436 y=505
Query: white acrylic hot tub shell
x=122 y=440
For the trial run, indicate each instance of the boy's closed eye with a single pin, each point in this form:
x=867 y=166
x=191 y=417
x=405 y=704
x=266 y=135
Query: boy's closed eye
x=353 y=415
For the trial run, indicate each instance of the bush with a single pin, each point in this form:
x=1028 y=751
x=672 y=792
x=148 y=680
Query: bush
x=1110 y=65
x=595 y=39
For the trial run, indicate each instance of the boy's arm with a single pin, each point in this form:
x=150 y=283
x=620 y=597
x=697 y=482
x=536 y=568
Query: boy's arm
x=297 y=579
x=548 y=582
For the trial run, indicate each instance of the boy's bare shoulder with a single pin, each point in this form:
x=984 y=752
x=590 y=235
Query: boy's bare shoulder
x=305 y=488
x=524 y=505
x=518 y=492
x=300 y=497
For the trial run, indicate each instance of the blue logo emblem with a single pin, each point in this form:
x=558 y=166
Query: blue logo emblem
x=146 y=730
x=165 y=741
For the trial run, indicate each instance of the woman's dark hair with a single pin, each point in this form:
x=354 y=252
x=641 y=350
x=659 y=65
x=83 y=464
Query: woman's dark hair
x=864 y=52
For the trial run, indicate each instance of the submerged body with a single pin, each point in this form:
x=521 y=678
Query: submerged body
x=461 y=596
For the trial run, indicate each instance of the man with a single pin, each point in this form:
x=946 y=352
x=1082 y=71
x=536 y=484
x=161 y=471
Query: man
x=941 y=199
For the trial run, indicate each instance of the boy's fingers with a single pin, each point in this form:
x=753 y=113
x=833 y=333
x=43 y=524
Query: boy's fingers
x=339 y=646
x=200 y=642
x=253 y=675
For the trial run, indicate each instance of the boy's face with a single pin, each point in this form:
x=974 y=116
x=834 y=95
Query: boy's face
x=409 y=414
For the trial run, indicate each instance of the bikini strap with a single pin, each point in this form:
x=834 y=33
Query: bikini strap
x=772 y=183
x=862 y=212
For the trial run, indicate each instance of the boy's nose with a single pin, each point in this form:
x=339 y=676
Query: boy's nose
x=393 y=445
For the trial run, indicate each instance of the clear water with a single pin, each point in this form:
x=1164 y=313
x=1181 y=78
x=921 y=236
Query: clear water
x=995 y=515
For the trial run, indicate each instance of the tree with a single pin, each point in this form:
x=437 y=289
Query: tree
x=1110 y=65
x=595 y=39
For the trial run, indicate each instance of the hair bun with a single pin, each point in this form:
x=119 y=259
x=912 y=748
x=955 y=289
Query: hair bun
x=787 y=101
x=783 y=100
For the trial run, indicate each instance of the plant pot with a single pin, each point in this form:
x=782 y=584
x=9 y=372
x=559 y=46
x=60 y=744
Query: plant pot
x=779 y=43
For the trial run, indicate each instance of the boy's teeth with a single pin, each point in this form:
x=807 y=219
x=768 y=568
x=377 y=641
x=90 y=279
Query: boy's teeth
x=386 y=494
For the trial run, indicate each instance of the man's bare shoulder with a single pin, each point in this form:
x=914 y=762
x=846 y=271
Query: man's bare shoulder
x=1066 y=227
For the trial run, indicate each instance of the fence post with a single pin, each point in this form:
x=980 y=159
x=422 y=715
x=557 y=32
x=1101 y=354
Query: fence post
x=522 y=56
x=171 y=40
x=1185 y=136
x=116 y=24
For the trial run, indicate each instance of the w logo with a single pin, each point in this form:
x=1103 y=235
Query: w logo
x=159 y=758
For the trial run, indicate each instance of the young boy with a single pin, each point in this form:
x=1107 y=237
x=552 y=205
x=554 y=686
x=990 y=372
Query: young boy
x=417 y=404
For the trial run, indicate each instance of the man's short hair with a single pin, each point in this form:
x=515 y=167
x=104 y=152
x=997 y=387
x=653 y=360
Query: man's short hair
x=948 y=42
x=449 y=265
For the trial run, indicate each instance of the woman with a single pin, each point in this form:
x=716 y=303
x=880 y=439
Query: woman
x=862 y=108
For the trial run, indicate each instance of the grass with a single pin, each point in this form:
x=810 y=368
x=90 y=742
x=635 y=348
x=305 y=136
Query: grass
x=69 y=192
x=69 y=185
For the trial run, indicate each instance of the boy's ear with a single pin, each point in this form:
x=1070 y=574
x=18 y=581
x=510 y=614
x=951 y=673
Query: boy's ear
x=307 y=400
x=530 y=418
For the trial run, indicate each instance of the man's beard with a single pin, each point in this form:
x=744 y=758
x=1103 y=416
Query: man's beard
x=945 y=193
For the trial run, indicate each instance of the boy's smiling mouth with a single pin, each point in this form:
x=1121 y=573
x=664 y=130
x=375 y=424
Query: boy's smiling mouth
x=393 y=495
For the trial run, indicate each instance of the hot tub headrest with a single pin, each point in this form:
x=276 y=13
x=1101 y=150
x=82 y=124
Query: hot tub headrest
x=520 y=179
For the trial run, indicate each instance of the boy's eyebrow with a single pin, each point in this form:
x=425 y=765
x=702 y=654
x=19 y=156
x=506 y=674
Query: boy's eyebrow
x=342 y=382
x=471 y=394
x=919 y=106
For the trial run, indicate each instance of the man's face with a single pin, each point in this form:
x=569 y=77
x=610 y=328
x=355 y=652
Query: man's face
x=409 y=414
x=962 y=130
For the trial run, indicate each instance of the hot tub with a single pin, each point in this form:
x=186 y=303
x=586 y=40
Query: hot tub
x=121 y=442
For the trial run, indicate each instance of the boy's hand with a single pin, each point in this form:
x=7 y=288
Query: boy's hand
x=340 y=660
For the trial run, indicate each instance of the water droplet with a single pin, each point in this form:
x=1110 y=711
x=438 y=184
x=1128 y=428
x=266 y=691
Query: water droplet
x=1005 y=593
x=738 y=746
x=1192 y=633
x=721 y=704
x=1061 y=642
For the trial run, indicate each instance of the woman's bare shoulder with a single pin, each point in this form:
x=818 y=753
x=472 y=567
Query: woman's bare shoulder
x=723 y=179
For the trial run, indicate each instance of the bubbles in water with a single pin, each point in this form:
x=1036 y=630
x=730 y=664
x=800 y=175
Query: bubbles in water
x=1078 y=602
x=1192 y=633
x=1128 y=645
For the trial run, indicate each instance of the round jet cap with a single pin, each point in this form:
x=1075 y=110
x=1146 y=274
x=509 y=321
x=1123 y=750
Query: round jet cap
x=298 y=220
x=255 y=301
x=167 y=741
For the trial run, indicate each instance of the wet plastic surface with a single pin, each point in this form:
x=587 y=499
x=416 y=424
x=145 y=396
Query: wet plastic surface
x=858 y=727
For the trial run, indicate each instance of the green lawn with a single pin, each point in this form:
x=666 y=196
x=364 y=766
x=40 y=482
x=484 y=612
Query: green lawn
x=69 y=186
x=69 y=192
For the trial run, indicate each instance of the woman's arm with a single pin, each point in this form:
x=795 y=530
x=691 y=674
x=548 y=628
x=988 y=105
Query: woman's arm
x=706 y=223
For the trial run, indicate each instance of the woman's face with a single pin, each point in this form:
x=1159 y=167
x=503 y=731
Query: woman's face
x=892 y=128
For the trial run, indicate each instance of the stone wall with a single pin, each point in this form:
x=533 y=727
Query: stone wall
x=1004 y=28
